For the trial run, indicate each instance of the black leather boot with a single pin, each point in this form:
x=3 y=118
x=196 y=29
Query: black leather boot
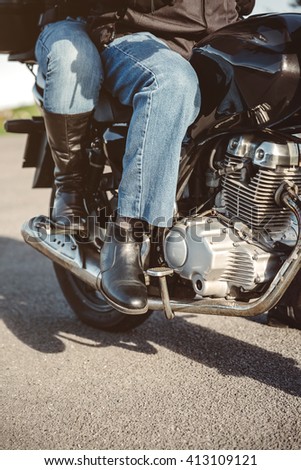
x=65 y=136
x=122 y=280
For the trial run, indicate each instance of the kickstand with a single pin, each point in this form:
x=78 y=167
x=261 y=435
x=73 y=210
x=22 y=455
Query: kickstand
x=161 y=273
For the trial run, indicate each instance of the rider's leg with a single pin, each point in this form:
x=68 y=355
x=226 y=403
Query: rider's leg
x=163 y=89
x=73 y=76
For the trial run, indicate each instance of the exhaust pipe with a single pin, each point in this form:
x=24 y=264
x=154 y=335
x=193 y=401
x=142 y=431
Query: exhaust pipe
x=64 y=250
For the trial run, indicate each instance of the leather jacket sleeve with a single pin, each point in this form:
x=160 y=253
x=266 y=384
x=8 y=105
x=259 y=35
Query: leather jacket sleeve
x=147 y=6
x=70 y=7
x=143 y=6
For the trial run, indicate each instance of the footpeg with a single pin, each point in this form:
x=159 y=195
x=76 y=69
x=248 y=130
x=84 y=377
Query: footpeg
x=161 y=272
x=42 y=234
x=63 y=248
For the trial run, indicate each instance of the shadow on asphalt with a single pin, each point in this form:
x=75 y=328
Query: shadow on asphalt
x=34 y=310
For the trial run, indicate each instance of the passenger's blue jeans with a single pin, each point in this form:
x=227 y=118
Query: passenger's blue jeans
x=144 y=73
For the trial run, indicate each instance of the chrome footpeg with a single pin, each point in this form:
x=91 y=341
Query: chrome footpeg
x=62 y=248
x=40 y=231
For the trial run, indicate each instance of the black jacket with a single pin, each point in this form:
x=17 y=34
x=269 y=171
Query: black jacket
x=180 y=23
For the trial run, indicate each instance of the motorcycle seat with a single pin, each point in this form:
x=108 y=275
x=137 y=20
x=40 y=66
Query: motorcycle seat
x=27 y=57
x=109 y=109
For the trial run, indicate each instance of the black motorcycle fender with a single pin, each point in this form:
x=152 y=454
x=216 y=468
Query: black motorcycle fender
x=37 y=152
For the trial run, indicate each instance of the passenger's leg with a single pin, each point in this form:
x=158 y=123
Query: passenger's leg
x=73 y=75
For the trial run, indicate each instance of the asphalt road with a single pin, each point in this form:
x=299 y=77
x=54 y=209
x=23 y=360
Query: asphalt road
x=197 y=382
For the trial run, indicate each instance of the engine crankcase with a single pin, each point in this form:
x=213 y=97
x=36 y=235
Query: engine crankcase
x=217 y=261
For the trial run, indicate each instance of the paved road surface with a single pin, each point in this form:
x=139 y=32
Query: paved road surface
x=198 y=382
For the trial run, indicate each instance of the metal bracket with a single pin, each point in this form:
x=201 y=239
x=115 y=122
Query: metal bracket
x=161 y=272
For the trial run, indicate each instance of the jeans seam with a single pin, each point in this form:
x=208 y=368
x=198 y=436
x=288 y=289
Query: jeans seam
x=134 y=59
x=43 y=46
x=149 y=103
x=45 y=104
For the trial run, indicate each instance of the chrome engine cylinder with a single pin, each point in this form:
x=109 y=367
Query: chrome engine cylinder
x=249 y=195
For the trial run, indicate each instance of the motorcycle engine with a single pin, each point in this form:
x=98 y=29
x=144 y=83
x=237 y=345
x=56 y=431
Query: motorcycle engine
x=240 y=246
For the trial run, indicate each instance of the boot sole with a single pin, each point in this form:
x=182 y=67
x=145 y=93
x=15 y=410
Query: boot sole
x=121 y=308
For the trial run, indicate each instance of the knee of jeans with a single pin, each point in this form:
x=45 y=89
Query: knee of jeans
x=74 y=57
x=180 y=83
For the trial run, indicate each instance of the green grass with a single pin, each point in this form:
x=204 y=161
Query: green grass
x=23 y=112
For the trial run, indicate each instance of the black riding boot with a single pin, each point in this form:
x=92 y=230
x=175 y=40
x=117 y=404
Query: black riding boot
x=65 y=136
x=122 y=280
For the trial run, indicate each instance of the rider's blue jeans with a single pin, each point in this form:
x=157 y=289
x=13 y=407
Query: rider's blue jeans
x=144 y=73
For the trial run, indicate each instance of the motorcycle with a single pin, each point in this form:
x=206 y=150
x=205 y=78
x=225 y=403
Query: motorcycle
x=234 y=246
